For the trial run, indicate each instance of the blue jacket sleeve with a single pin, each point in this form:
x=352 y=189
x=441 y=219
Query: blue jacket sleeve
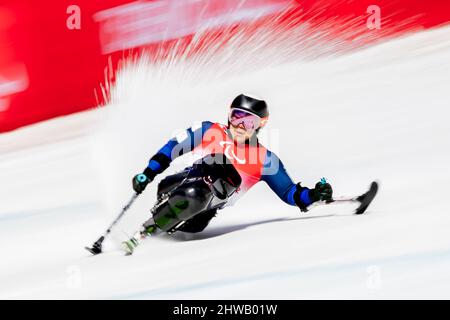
x=276 y=176
x=182 y=143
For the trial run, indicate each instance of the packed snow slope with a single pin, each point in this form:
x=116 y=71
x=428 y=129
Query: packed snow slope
x=380 y=113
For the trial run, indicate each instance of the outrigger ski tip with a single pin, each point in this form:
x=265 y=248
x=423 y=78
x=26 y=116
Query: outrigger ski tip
x=363 y=200
x=94 y=251
x=96 y=247
x=366 y=198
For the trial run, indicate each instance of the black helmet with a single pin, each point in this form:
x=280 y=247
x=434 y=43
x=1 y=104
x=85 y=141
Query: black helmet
x=253 y=105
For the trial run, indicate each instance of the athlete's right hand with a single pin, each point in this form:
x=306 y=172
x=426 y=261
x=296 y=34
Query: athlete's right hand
x=140 y=181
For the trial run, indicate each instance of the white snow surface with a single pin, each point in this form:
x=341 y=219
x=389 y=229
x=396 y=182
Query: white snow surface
x=380 y=113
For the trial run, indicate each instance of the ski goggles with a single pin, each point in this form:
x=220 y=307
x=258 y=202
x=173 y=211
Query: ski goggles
x=240 y=118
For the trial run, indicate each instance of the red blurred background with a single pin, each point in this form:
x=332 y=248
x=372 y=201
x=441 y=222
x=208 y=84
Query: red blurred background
x=48 y=69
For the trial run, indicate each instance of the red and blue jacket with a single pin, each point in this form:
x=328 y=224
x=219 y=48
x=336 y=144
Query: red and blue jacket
x=252 y=160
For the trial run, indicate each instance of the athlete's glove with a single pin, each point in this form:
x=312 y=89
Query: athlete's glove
x=304 y=197
x=322 y=191
x=141 y=180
